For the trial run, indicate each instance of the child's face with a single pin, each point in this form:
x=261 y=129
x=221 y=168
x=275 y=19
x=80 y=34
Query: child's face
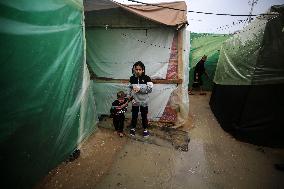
x=120 y=100
x=138 y=70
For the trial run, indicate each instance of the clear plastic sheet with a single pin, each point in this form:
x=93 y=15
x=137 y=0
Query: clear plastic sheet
x=111 y=52
x=105 y=94
x=254 y=55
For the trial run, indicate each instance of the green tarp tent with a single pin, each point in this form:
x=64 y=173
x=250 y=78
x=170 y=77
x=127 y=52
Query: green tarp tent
x=205 y=44
x=247 y=98
x=47 y=104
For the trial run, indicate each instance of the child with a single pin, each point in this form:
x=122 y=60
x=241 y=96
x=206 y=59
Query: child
x=118 y=108
x=139 y=87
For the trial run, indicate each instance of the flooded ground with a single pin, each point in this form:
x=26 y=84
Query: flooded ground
x=214 y=160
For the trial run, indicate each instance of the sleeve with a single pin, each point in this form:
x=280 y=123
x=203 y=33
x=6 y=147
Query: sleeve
x=145 y=89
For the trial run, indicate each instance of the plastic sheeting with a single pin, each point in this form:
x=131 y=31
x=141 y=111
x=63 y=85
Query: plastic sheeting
x=105 y=94
x=253 y=56
x=117 y=18
x=184 y=105
x=251 y=113
x=47 y=106
x=205 y=44
x=117 y=38
x=166 y=16
x=111 y=53
x=90 y=5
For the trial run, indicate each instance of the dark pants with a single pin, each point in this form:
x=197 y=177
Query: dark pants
x=118 y=122
x=144 y=112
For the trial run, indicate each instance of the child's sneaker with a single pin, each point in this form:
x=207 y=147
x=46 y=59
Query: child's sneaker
x=132 y=132
x=146 y=133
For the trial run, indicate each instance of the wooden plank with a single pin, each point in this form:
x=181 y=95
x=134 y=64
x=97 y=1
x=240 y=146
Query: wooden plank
x=155 y=81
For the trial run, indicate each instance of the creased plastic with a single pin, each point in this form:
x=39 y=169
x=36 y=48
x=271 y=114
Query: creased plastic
x=205 y=44
x=105 y=94
x=112 y=52
x=183 y=106
x=47 y=105
x=254 y=56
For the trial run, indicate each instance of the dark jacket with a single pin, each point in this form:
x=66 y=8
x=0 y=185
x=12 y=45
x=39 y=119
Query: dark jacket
x=199 y=68
x=118 y=112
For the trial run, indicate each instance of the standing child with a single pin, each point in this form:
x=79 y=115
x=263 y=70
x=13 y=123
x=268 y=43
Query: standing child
x=139 y=87
x=118 y=108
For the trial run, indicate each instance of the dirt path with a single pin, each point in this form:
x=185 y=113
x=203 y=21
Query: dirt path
x=214 y=160
x=97 y=155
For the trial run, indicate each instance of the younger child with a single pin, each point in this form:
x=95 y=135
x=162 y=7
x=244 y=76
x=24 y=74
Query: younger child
x=118 y=108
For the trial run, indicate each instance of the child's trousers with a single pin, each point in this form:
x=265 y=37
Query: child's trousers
x=144 y=112
x=118 y=122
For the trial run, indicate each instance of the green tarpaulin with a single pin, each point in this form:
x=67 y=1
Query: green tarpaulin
x=205 y=44
x=47 y=104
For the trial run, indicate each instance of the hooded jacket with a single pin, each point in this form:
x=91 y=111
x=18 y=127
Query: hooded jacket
x=141 y=98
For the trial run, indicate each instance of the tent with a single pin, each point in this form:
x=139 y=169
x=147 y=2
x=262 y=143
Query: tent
x=47 y=102
x=247 y=98
x=205 y=44
x=119 y=35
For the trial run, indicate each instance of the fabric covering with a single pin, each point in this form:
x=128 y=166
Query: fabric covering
x=205 y=44
x=254 y=115
x=117 y=37
x=164 y=13
x=47 y=104
x=111 y=53
x=247 y=99
x=255 y=55
x=47 y=99
x=105 y=94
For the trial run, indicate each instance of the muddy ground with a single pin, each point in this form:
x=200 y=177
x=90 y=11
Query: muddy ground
x=213 y=159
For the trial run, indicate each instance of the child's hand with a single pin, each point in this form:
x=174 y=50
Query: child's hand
x=130 y=98
x=136 y=89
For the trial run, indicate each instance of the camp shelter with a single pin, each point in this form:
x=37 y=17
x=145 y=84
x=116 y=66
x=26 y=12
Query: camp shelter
x=205 y=44
x=47 y=102
x=248 y=98
x=47 y=98
x=119 y=35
